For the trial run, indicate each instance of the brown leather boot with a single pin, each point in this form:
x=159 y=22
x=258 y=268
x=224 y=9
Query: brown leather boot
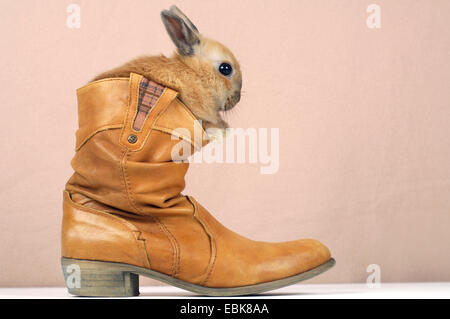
x=124 y=214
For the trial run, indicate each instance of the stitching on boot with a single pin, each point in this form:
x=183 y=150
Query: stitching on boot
x=215 y=255
x=122 y=180
x=112 y=217
x=162 y=226
x=132 y=96
x=103 y=213
x=128 y=194
x=123 y=163
x=138 y=235
x=81 y=89
x=205 y=225
x=175 y=248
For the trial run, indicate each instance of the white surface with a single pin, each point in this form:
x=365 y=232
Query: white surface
x=320 y=291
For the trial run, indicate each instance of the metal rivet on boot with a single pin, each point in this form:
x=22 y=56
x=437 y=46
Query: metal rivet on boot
x=132 y=139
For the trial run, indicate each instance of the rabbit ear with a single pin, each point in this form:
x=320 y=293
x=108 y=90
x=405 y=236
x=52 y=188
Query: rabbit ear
x=174 y=9
x=181 y=30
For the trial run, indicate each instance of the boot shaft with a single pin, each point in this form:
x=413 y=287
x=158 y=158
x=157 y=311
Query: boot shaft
x=128 y=131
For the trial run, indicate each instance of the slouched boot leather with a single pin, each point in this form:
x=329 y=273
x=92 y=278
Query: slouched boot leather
x=125 y=216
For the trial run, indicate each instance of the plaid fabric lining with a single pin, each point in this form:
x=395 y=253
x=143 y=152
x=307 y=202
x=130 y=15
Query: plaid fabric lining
x=149 y=93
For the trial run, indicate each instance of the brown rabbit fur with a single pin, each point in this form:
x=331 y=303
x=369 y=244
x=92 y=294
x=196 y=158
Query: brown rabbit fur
x=192 y=71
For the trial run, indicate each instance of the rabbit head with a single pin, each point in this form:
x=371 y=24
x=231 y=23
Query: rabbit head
x=210 y=76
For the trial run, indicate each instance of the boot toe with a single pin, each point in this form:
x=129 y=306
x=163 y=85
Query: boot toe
x=312 y=253
x=301 y=255
x=286 y=259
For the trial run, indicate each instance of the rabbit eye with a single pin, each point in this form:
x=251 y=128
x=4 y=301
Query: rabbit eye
x=225 y=69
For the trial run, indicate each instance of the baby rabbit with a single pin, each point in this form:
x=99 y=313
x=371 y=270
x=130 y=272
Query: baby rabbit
x=204 y=72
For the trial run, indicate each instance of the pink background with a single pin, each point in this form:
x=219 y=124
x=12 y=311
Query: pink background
x=364 y=119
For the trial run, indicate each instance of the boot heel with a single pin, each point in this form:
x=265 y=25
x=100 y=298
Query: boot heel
x=96 y=278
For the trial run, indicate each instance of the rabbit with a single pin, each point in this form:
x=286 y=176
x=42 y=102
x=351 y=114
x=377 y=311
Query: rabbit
x=204 y=72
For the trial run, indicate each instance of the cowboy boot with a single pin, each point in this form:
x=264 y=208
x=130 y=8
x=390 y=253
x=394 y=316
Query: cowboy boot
x=125 y=216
